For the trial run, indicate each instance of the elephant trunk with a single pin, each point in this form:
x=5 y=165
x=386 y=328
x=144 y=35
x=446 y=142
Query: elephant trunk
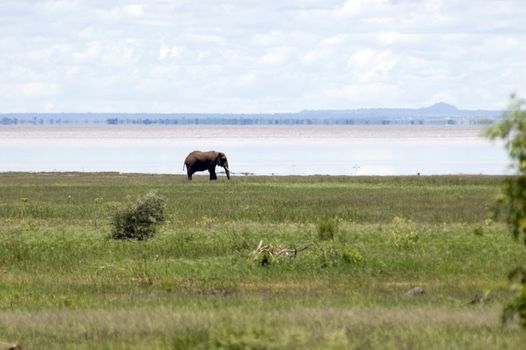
x=225 y=165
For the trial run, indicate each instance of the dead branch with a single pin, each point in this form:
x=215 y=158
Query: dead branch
x=10 y=346
x=276 y=251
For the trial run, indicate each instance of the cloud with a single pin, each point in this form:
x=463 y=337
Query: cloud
x=314 y=56
x=357 y=8
x=169 y=52
x=121 y=12
x=334 y=40
x=388 y=94
x=133 y=10
x=368 y=64
x=267 y=39
x=277 y=55
x=205 y=56
x=90 y=52
x=396 y=38
x=37 y=89
x=248 y=78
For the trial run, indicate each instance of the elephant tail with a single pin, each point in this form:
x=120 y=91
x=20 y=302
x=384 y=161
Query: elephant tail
x=184 y=164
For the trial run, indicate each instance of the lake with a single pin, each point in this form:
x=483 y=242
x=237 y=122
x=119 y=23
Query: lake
x=261 y=150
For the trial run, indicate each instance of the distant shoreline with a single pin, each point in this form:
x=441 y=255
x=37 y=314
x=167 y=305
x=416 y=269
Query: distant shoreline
x=438 y=114
x=203 y=177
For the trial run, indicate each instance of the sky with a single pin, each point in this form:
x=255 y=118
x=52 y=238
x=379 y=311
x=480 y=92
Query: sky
x=245 y=56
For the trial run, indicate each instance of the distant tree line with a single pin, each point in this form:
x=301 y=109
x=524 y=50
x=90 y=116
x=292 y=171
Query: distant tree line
x=438 y=114
x=124 y=119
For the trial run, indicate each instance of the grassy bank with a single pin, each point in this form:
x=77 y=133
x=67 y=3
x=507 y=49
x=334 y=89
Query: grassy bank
x=66 y=285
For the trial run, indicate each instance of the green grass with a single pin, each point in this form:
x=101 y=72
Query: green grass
x=65 y=284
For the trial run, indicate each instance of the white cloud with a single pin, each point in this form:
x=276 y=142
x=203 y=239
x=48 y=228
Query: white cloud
x=247 y=79
x=314 y=56
x=379 y=94
x=334 y=40
x=267 y=39
x=90 y=52
x=37 y=89
x=356 y=8
x=277 y=55
x=134 y=10
x=397 y=38
x=368 y=64
x=120 y=12
x=171 y=56
x=169 y=52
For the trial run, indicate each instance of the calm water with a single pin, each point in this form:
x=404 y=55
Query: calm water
x=306 y=150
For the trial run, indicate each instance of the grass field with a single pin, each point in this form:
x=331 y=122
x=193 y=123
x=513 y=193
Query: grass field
x=65 y=285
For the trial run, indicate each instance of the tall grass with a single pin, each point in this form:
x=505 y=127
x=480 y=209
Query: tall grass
x=194 y=285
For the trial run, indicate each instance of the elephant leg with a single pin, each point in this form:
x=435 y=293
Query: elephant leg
x=189 y=172
x=213 y=175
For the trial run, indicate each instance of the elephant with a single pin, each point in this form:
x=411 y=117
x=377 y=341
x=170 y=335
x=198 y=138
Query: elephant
x=201 y=161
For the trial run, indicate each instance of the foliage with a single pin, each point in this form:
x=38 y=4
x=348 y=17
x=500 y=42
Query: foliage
x=334 y=254
x=140 y=219
x=327 y=228
x=518 y=305
x=478 y=230
x=403 y=234
x=350 y=255
x=264 y=259
x=512 y=129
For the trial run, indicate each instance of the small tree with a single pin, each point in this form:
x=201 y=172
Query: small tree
x=512 y=130
x=140 y=219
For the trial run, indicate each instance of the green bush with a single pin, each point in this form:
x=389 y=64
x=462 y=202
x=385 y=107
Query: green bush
x=403 y=235
x=334 y=254
x=139 y=220
x=350 y=255
x=327 y=228
x=518 y=306
x=512 y=129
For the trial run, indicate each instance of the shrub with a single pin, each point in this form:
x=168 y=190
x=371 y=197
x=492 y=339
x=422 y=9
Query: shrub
x=139 y=220
x=478 y=230
x=327 y=228
x=402 y=233
x=512 y=129
x=350 y=255
x=518 y=306
x=334 y=254
x=264 y=259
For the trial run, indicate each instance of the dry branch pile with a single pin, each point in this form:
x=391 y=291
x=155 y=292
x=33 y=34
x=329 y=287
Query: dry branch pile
x=10 y=346
x=273 y=252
